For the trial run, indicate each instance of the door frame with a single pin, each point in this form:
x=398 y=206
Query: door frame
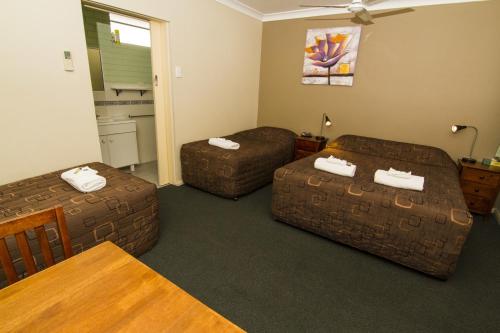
x=162 y=89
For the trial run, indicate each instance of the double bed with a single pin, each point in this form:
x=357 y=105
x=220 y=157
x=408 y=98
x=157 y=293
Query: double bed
x=422 y=230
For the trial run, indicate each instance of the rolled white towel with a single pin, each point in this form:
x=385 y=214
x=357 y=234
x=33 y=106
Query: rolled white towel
x=415 y=183
x=223 y=143
x=84 y=179
x=323 y=164
x=399 y=174
x=335 y=160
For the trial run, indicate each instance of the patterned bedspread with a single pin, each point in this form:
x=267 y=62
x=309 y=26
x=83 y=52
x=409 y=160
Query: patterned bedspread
x=124 y=212
x=232 y=173
x=422 y=230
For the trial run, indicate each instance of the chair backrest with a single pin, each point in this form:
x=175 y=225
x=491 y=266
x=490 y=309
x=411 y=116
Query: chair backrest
x=17 y=227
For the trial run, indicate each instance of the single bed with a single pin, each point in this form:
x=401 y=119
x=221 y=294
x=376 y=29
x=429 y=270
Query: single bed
x=232 y=173
x=124 y=212
x=422 y=230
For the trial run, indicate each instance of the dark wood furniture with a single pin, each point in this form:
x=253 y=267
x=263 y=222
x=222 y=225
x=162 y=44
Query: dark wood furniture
x=104 y=289
x=17 y=227
x=480 y=184
x=308 y=146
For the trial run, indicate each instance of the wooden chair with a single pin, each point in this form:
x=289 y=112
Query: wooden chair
x=36 y=221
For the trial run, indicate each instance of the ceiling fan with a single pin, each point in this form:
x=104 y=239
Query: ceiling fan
x=360 y=9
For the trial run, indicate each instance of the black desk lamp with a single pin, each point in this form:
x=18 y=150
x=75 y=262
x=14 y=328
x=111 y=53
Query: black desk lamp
x=458 y=128
x=325 y=122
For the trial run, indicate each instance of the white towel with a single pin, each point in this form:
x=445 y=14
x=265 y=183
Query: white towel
x=223 y=143
x=337 y=168
x=335 y=160
x=411 y=183
x=399 y=174
x=84 y=179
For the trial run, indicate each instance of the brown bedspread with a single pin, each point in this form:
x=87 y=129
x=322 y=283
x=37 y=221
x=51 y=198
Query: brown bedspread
x=422 y=230
x=232 y=173
x=124 y=212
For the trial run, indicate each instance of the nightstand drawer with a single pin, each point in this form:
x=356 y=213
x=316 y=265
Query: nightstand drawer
x=478 y=189
x=480 y=176
x=307 y=145
x=477 y=204
x=302 y=153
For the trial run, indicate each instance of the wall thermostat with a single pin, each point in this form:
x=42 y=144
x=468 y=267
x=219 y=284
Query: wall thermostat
x=68 y=62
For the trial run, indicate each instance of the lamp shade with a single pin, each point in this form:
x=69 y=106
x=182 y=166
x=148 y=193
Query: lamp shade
x=456 y=128
x=328 y=122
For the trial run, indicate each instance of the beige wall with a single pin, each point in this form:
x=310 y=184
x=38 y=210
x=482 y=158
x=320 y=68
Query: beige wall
x=47 y=116
x=48 y=119
x=417 y=74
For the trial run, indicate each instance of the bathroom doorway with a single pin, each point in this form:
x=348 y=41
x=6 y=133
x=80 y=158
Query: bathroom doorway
x=130 y=119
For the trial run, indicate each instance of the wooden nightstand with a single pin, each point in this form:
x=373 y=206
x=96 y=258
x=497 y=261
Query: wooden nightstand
x=308 y=146
x=480 y=184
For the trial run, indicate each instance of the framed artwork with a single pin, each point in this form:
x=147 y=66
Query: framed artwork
x=330 y=56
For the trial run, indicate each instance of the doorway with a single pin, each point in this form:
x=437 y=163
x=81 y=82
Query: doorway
x=129 y=69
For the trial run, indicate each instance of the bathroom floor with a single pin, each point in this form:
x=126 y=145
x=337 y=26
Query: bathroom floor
x=147 y=171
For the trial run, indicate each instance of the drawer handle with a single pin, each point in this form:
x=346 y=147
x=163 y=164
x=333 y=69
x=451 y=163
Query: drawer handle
x=476 y=190
x=482 y=177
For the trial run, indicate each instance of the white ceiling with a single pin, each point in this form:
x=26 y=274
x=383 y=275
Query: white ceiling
x=277 y=6
x=274 y=10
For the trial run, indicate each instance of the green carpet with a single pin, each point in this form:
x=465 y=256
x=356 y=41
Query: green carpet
x=266 y=276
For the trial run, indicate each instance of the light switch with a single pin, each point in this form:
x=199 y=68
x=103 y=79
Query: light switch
x=178 y=72
x=68 y=61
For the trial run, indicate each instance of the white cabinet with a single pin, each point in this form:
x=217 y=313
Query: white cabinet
x=119 y=143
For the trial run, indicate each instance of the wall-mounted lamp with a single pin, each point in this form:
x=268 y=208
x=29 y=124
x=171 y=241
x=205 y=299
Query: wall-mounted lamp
x=458 y=128
x=325 y=122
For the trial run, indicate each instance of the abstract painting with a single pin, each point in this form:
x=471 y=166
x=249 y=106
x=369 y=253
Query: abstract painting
x=330 y=56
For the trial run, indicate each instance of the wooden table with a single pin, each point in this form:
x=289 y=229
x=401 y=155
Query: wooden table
x=104 y=289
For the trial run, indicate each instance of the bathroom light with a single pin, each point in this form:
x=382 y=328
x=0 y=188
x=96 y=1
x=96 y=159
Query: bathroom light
x=458 y=128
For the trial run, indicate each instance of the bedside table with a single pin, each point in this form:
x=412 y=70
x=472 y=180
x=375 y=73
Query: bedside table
x=480 y=184
x=308 y=146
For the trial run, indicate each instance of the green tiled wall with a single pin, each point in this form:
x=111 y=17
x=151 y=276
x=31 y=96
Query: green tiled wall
x=90 y=19
x=123 y=63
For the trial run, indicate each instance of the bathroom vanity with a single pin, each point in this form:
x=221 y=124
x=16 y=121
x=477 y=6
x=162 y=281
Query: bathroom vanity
x=118 y=139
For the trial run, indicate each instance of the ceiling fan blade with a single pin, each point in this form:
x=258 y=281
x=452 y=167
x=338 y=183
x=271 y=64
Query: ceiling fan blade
x=364 y=16
x=328 y=19
x=373 y=2
x=325 y=6
x=393 y=12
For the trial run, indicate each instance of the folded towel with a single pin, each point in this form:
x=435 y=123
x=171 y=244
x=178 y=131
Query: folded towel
x=399 y=174
x=84 y=179
x=223 y=143
x=338 y=161
x=324 y=164
x=411 y=183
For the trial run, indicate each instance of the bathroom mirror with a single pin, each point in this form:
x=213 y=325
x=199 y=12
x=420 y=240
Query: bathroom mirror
x=96 y=77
